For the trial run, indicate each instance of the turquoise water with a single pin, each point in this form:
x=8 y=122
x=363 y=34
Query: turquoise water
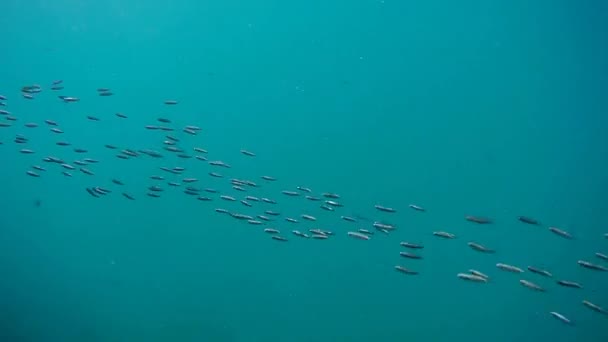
x=488 y=108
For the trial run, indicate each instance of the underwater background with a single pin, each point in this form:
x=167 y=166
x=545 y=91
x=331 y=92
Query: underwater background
x=489 y=108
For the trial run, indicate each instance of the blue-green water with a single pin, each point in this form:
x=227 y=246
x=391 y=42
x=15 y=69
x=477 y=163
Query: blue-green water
x=489 y=108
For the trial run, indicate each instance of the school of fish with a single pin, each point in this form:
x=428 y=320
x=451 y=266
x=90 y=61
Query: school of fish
x=172 y=142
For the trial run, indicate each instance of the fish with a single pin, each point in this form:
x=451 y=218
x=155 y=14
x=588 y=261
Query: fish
x=404 y=270
x=410 y=255
x=444 y=235
x=411 y=245
x=509 y=268
x=333 y=203
x=479 y=274
x=299 y=234
x=566 y=283
x=591 y=266
x=269 y=178
x=271 y=231
x=595 y=307
x=478 y=219
x=385 y=209
x=480 y=248
x=561 y=317
x=417 y=207
x=472 y=277
x=169 y=138
x=531 y=285
x=385 y=226
x=32 y=174
x=92 y=193
x=560 y=232
x=528 y=220
x=542 y=272
x=602 y=256
x=358 y=235
x=248 y=153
